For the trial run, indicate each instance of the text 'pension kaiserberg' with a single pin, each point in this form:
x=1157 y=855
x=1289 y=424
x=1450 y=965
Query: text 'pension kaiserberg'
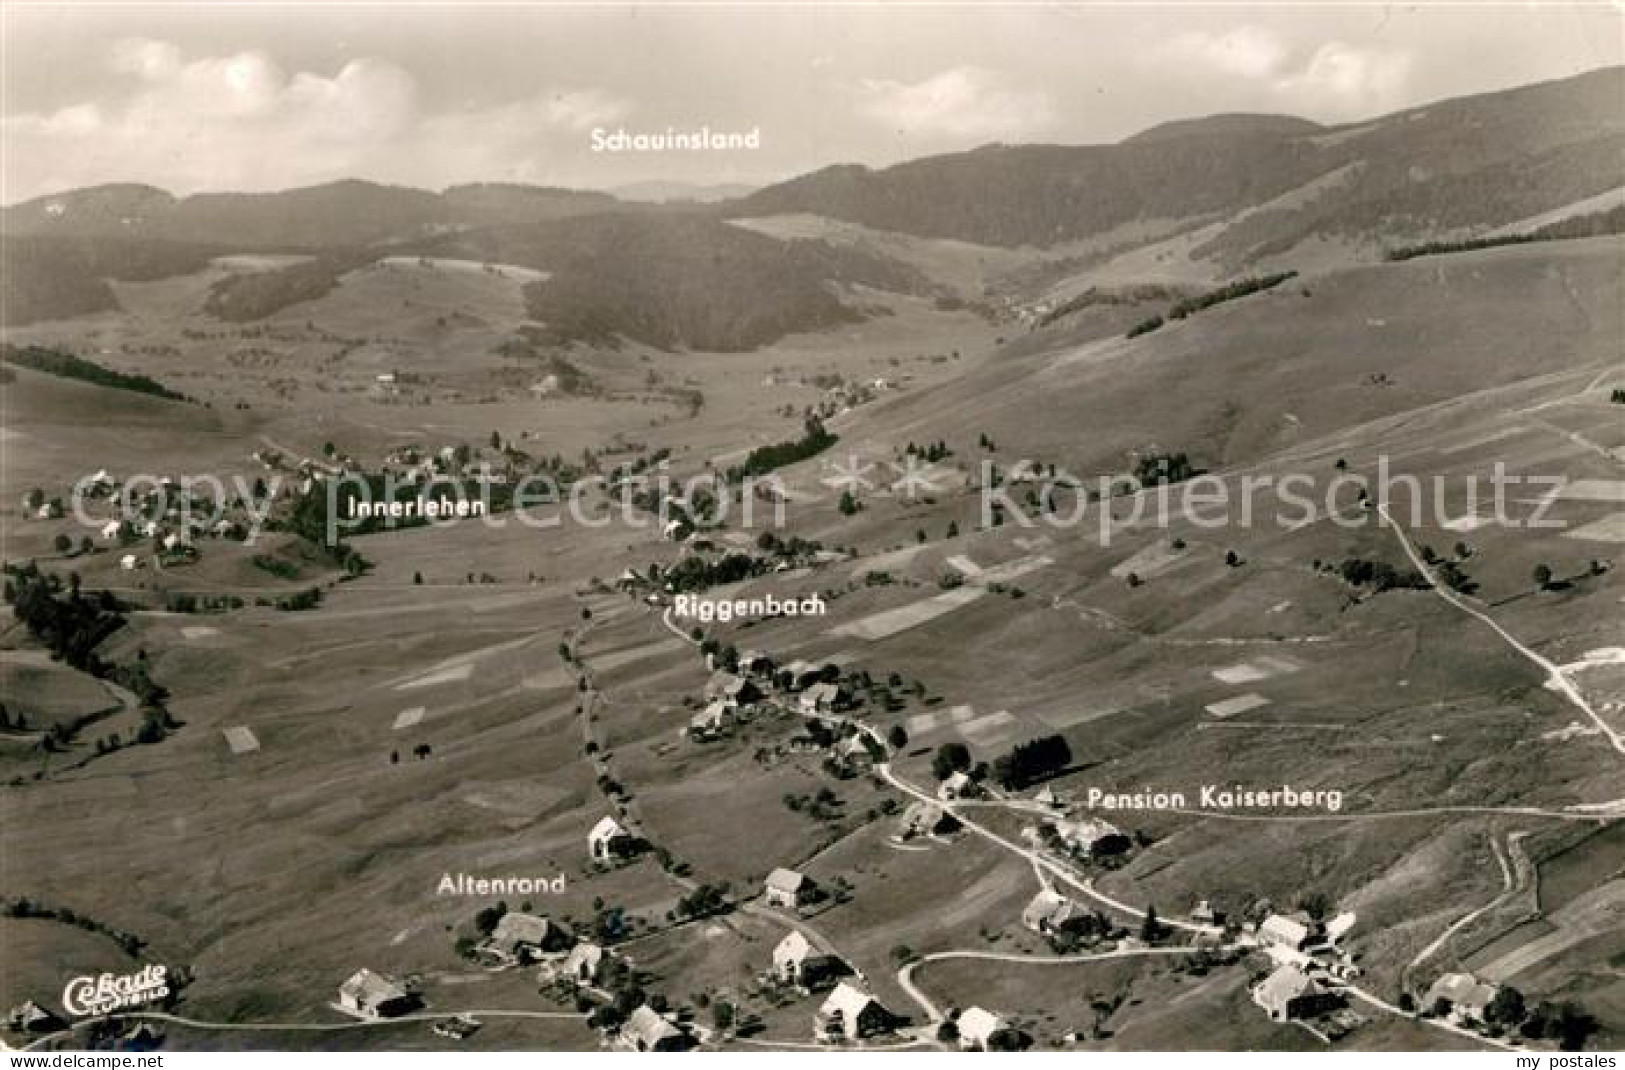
x=1217 y=797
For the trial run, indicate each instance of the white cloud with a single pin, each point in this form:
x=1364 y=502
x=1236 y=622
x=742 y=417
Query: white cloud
x=1334 y=80
x=967 y=102
x=1347 y=81
x=1243 y=52
x=241 y=121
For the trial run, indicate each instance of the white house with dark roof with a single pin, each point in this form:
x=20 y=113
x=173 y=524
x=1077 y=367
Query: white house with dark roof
x=373 y=995
x=1048 y=911
x=1289 y=994
x=520 y=936
x=1281 y=931
x=824 y=698
x=976 y=1026
x=607 y=840
x=850 y=1013
x=646 y=1029
x=583 y=962
x=1463 y=996
x=788 y=889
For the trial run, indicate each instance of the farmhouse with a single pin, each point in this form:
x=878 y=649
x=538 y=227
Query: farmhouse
x=1045 y=796
x=733 y=687
x=1278 y=930
x=583 y=963
x=646 y=1029
x=374 y=995
x=129 y=562
x=824 y=698
x=957 y=786
x=1048 y=911
x=1092 y=835
x=976 y=1026
x=789 y=889
x=803 y=674
x=1460 y=996
x=1289 y=994
x=111 y=529
x=523 y=936
x=608 y=840
x=850 y=1013
x=712 y=721
x=922 y=819
x=796 y=962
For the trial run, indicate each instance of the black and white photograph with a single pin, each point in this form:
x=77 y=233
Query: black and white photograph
x=816 y=528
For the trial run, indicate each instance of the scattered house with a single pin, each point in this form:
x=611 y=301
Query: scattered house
x=583 y=963
x=755 y=663
x=1289 y=994
x=674 y=530
x=1461 y=996
x=922 y=819
x=712 y=721
x=803 y=674
x=958 y=786
x=852 y=1014
x=791 y=954
x=1339 y=926
x=854 y=750
x=129 y=563
x=788 y=889
x=646 y=1029
x=459 y=1028
x=1048 y=911
x=1091 y=835
x=374 y=995
x=608 y=840
x=526 y=936
x=733 y=687
x=111 y=529
x=976 y=1026
x=825 y=698
x=1045 y=796
x=30 y=1017
x=1278 y=930
x=797 y=962
x=1204 y=914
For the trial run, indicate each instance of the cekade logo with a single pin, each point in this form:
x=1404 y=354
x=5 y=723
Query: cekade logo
x=86 y=996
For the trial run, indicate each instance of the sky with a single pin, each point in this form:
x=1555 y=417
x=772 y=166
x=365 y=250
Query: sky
x=255 y=97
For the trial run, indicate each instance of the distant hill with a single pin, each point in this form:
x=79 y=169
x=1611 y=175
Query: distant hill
x=1473 y=162
x=1230 y=124
x=45 y=277
x=674 y=192
x=679 y=280
x=334 y=215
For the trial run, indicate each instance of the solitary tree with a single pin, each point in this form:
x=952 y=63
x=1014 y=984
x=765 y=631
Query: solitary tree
x=1543 y=576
